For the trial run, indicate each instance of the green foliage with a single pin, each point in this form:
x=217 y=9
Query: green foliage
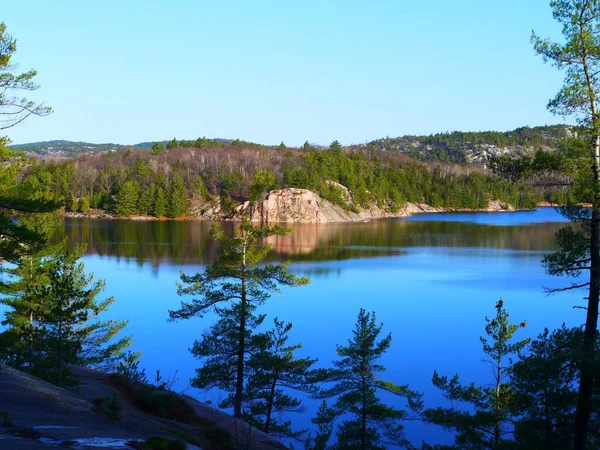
x=177 y=204
x=233 y=286
x=15 y=110
x=370 y=421
x=52 y=318
x=335 y=146
x=544 y=382
x=487 y=420
x=145 y=203
x=172 y=144
x=160 y=203
x=157 y=148
x=452 y=147
x=84 y=204
x=324 y=422
x=263 y=182
x=274 y=371
x=127 y=203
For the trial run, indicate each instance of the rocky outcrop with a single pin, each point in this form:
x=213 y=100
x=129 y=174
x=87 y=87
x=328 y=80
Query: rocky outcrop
x=303 y=206
x=39 y=415
x=293 y=205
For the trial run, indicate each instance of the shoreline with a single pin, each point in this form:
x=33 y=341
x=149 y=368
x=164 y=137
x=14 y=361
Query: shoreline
x=409 y=211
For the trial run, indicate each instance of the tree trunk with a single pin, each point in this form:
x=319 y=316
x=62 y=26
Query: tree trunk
x=239 y=385
x=586 y=381
x=270 y=404
x=363 y=422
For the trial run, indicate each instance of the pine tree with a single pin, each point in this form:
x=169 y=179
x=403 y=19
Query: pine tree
x=487 y=421
x=324 y=422
x=173 y=143
x=145 y=203
x=371 y=423
x=160 y=203
x=274 y=371
x=236 y=278
x=128 y=198
x=544 y=383
x=17 y=239
x=84 y=204
x=218 y=350
x=579 y=57
x=177 y=204
x=24 y=295
x=263 y=182
x=157 y=148
x=72 y=334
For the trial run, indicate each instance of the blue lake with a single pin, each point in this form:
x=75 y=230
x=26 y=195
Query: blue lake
x=431 y=279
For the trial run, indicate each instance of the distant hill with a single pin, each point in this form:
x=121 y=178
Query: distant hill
x=474 y=147
x=454 y=147
x=71 y=148
x=64 y=148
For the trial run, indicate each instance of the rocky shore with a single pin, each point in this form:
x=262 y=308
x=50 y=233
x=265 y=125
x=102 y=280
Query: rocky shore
x=292 y=205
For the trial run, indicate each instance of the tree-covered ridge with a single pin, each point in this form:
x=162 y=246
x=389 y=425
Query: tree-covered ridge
x=168 y=182
x=63 y=148
x=455 y=147
x=474 y=147
x=72 y=149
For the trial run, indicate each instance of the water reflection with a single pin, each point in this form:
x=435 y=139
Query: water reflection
x=189 y=243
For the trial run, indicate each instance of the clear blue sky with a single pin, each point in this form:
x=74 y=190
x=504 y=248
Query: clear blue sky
x=271 y=71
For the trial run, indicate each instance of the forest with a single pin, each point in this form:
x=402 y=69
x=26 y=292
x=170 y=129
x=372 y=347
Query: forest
x=168 y=180
x=543 y=391
x=457 y=146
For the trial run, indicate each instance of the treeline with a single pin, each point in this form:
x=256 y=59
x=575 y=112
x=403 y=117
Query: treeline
x=454 y=146
x=166 y=182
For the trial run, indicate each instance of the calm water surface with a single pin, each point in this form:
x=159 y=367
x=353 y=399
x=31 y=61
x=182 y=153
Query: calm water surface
x=431 y=279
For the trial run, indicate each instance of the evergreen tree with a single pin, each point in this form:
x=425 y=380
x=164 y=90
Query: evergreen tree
x=371 y=423
x=487 y=421
x=157 y=148
x=177 y=204
x=16 y=206
x=218 y=350
x=274 y=371
x=146 y=200
x=544 y=383
x=324 y=422
x=579 y=57
x=160 y=203
x=237 y=279
x=52 y=318
x=73 y=335
x=84 y=204
x=23 y=293
x=335 y=146
x=263 y=182
x=173 y=143
x=128 y=198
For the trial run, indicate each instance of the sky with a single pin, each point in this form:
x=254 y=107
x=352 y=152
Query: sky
x=271 y=71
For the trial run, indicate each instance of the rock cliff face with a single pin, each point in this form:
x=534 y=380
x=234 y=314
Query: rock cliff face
x=303 y=206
